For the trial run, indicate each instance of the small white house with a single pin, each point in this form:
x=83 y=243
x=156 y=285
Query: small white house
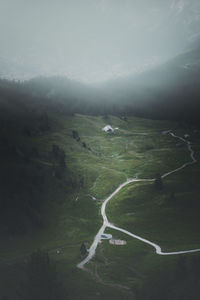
x=108 y=129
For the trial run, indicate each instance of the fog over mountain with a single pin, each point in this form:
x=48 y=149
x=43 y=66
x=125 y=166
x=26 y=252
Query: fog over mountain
x=93 y=40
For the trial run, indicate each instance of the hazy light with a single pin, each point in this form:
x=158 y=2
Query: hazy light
x=92 y=40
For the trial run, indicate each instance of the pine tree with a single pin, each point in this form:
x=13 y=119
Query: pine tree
x=83 y=249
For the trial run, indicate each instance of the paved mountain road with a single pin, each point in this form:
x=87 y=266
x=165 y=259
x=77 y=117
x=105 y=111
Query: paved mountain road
x=106 y=223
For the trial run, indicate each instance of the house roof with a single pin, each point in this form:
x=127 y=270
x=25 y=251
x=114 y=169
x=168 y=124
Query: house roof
x=107 y=128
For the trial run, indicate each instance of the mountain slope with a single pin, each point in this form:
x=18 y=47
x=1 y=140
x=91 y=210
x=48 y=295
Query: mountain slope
x=170 y=91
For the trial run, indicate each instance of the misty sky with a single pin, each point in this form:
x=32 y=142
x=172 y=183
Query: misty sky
x=93 y=40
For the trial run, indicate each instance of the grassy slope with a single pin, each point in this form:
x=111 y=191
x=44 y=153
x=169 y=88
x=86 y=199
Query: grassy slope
x=138 y=207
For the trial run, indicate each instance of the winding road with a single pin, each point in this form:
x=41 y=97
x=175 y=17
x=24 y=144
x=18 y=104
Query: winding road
x=106 y=223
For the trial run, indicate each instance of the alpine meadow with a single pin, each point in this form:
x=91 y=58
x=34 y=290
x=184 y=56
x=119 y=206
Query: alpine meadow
x=99 y=150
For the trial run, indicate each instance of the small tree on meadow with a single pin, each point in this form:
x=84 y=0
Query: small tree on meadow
x=83 y=249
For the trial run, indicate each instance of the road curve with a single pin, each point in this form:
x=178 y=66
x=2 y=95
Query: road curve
x=106 y=223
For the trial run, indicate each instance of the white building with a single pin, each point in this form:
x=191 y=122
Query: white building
x=108 y=129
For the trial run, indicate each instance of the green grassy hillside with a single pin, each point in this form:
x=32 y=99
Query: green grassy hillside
x=78 y=161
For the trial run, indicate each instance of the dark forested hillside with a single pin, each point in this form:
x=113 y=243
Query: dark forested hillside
x=170 y=91
x=29 y=176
